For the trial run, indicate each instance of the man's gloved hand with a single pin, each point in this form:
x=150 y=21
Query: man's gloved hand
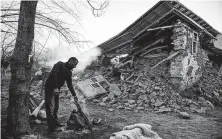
x=56 y=91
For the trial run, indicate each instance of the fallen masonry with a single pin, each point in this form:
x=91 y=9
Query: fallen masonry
x=140 y=93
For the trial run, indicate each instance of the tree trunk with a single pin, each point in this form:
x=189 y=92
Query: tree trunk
x=19 y=89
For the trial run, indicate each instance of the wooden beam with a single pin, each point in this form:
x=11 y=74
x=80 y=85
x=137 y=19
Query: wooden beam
x=168 y=58
x=193 y=22
x=152 y=24
x=164 y=27
x=154 y=43
x=155 y=55
x=153 y=49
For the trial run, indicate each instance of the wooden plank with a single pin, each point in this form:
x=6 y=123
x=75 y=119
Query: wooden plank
x=168 y=58
x=154 y=43
x=164 y=27
x=153 y=49
x=155 y=55
x=152 y=24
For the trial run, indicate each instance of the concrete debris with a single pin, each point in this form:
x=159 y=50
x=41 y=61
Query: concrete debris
x=148 y=89
x=94 y=86
x=114 y=89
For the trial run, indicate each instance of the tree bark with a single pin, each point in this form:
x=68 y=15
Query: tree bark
x=19 y=89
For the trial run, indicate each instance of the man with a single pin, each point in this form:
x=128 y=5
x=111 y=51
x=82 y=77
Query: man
x=60 y=73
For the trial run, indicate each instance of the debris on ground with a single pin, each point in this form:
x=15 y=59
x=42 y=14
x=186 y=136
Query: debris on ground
x=140 y=89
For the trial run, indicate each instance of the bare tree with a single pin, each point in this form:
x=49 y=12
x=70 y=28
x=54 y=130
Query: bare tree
x=17 y=120
x=47 y=19
x=28 y=20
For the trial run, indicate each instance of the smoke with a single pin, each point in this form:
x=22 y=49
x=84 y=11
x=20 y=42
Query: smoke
x=85 y=57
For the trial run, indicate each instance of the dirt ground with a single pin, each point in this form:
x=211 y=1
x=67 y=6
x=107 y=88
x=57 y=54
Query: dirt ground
x=168 y=126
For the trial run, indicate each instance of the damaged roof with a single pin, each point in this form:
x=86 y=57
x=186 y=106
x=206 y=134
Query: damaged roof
x=158 y=14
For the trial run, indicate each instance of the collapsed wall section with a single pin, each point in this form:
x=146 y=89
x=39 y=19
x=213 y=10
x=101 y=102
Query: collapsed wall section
x=186 y=68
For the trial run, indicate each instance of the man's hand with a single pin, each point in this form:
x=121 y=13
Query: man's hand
x=56 y=91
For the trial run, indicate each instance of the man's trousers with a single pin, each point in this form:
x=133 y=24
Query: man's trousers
x=52 y=107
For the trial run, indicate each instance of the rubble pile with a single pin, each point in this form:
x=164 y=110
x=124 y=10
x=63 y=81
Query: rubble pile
x=209 y=85
x=142 y=89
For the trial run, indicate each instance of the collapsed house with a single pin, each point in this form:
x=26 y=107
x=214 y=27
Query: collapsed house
x=166 y=54
x=171 y=40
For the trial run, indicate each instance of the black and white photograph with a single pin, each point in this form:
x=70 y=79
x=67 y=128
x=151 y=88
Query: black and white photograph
x=111 y=69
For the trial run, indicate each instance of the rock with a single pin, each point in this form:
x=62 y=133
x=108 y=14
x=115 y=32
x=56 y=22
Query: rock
x=140 y=97
x=120 y=107
x=152 y=101
x=158 y=103
x=38 y=121
x=131 y=101
x=140 y=84
x=113 y=101
x=102 y=104
x=139 y=101
x=146 y=105
x=184 y=115
x=216 y=94
x=162 y=94
x=164 y=109
x=143 y=91
x=127 y=108
x=110 y=96
x=201 y=110
x=134 y=96
x=140 y=104
x=138 y=91
x=104 y=99
x=140 y=108
x=153 y=95
x=111 y=109
x=201 y=99
x=148 y=89
x=132 y=106
x=157 y=88
x=145 y=98
x=126 y=104
x=115 y=105
x=136 y=111
x=114 y=89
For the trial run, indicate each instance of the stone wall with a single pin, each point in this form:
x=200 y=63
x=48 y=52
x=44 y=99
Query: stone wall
x=211 y=82
x=185 y=68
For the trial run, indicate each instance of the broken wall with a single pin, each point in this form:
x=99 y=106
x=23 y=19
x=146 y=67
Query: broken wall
x=186 y=68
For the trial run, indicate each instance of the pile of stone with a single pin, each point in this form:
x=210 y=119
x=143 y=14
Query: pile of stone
x=141 y=89
x=209 y=85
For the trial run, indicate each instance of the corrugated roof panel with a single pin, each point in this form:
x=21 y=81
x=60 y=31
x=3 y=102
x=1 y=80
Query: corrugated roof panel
x=164 y=8
x=192 y=15
x=153 y=17
x=182 y=9
x=187 y=12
